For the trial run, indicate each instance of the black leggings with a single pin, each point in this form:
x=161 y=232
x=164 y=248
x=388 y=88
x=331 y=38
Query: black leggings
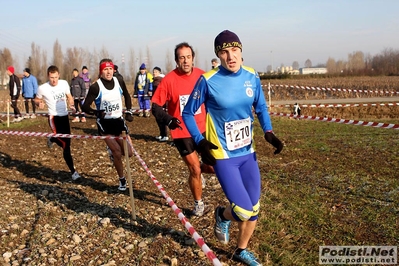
x=60 y=125
x=14 y=105
x=27 y=105
x=78 y=107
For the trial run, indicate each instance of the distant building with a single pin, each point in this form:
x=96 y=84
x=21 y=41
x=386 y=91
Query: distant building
x=312 y=70
x=293 y=72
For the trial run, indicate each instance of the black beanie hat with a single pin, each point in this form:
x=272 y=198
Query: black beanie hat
x=27 y=70
x=158 y=68
x=226 y=39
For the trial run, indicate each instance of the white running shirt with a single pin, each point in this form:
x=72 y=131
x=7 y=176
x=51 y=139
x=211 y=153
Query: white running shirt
x=55 y=97
x=110 y=100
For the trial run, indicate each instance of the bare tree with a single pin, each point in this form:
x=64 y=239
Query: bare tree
x=169 y=62
x=42 y=71
x=368 y=62
x=387 y=62
x=37 y=62
x=331 y=66
x=295 y=65
x=308 y=63
x=58 y=59
x=133 y=62
x=5 y=61
x=356 y=61
x=149 y=58
x=73 y=59
x=341 y=66
x=104 y=54
x=142 y=59
x=196 y=59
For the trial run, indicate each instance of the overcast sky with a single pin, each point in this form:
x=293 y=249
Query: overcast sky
x=271 y=31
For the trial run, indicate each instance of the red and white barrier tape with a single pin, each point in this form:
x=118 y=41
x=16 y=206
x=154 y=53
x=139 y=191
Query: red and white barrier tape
x=77 y=113
x=55 y=135
x=198 y=239
x=337 y=105
x=338 y=120
x=332 y=89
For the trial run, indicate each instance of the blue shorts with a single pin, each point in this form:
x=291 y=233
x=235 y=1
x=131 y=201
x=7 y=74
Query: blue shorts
x=240 y=181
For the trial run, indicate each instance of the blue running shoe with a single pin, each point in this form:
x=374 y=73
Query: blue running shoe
x=247 y=257
x=221 y=227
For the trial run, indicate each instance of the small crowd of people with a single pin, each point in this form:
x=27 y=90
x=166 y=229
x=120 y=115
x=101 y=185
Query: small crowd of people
x=212 y=133
x=28 y=88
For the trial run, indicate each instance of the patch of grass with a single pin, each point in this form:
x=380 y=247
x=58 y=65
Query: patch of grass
x=24 y=123
x=333 y=184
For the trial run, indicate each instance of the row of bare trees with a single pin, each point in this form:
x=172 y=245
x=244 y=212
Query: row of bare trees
x=77 y=57
x=384 y=63
x=5 y=61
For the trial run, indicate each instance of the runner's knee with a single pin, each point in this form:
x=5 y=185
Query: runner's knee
x=245 y=215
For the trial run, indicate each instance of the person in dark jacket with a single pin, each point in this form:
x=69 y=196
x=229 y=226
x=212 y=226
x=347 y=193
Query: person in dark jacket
x=86 y=77
x=163 y=128
x=78 y=92
x=15 y=90
x=116 y=72
x=143 y=90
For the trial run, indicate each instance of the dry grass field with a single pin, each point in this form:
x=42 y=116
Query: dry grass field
x=333 y=184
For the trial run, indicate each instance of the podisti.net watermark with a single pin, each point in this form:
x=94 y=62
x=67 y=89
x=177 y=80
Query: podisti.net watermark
x=358 y=255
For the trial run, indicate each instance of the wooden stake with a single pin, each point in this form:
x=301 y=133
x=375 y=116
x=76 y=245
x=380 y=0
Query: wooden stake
x=8 y=114
x=129 y=178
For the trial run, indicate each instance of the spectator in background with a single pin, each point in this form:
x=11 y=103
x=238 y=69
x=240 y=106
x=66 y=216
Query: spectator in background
x=116 y=72
x=78 y=91
x=56 y=93
x=29 y=90
x=215 y=63
x=86 y=77
x=15 y=89
x=297 y=110
x=163 y=128
x=143 y=90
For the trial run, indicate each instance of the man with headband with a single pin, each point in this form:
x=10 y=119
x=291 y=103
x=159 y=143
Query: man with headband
x=230 y=92
x=107 y=94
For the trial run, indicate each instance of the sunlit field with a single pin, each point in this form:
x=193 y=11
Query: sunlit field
x=333 y=184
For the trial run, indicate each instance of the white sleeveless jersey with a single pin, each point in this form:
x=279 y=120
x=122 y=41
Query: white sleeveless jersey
x=55 y=97
x=110 y=100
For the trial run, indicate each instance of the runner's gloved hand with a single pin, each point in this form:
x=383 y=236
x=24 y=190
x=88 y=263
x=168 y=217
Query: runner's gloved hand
x=174 y=123
x=128 y=116
x=204 y=148
x=272 y=139
x=100 y=113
